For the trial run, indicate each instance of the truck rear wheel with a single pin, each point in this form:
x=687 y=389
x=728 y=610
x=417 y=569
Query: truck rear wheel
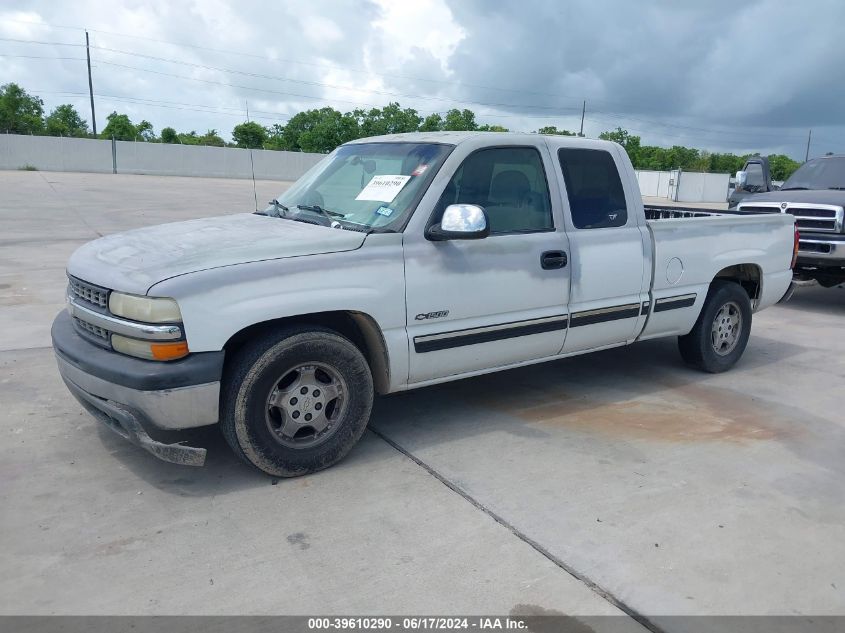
x=296 y=401
x=721 y=332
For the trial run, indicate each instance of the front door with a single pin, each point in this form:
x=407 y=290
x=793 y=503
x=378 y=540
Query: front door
x=479 y=304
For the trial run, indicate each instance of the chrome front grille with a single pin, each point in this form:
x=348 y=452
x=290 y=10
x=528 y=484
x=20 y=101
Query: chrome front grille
x=96 y=330
x=826 y=218
x=95 y=295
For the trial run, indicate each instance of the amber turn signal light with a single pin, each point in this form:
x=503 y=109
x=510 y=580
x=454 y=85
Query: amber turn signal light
x=169 y=351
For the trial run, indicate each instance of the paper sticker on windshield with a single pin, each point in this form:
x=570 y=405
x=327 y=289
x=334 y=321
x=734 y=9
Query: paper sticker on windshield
x=420 y=170
x=383 y=188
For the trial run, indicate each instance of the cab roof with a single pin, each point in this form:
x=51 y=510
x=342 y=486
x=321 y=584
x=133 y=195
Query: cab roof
x=456 y=138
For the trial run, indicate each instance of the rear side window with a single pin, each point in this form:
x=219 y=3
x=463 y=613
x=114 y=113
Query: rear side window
x=596 y=196
x=509 y=182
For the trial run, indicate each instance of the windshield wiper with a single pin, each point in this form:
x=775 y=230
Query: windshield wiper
x=316 y=208
x=278 y=206
x=794 y=188
x=837 y=188
x=277 y=210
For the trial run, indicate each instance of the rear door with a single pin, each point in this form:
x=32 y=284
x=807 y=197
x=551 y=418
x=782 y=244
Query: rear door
x=608 y=249
x=474 y=305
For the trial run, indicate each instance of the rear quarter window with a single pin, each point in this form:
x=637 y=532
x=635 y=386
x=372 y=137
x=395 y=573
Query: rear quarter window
x=593 y=187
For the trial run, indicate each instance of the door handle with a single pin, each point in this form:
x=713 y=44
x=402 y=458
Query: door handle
x=552 y=260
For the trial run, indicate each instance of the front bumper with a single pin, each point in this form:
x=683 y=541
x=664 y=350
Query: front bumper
x=141 y=399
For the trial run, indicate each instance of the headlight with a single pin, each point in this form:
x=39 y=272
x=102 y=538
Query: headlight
x=145 y=309
x=149 y=349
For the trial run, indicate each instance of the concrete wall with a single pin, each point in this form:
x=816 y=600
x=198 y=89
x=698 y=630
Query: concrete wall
x=51 y=153
x=702 y=187
x=654 y=184
x=684 y=186
x=48 y=153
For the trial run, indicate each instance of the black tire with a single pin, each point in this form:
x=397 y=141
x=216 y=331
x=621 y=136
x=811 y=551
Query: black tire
x=698 y=348
x=254 y=374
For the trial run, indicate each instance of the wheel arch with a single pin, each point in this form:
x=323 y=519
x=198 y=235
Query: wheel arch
x=748 y=275
x=360 y=328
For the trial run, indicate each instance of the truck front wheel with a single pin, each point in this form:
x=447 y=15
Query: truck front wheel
x=721 y=332
x=296 y=401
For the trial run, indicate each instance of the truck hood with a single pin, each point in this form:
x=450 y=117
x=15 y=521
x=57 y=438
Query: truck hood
x=816 y=196
x=136 y=260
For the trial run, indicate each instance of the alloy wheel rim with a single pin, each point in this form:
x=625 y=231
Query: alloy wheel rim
x=305 y=405
x=726 y=329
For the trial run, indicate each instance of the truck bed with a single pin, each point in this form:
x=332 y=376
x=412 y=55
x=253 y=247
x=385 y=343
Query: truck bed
x=660 y=212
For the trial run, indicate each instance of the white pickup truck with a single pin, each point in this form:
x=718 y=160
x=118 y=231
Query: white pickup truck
x=395 y=263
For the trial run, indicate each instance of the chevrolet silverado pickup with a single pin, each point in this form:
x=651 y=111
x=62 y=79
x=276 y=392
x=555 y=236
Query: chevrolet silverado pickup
x=395 y=263
x=815 y=195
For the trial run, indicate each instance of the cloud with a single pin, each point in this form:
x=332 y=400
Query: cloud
x=723 y=74
x=720 y=75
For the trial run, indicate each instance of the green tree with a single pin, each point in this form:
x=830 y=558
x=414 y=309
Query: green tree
x=551 y=129
x=682 y=157
x=119 y=127
x=627 y=140
x=168 y=135
x=432 y=123
x=319 y=130
x=211 y=137
x=64 y=120
x=144 y=130
x=782 y=166
x=391 y=119
x=726 y=163
x=492 y=128
x=188 y=138
x=460 y=120
x=276 y=138
x=702 y=163
x=20 y=112
x=250 y=135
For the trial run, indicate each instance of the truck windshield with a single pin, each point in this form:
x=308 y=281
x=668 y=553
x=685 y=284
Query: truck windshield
x=365 y=186
x=819 y=173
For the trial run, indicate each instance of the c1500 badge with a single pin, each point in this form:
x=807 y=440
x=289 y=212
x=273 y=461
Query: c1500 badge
x=432 y=315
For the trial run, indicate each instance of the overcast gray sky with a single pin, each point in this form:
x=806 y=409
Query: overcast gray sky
x=717 y=74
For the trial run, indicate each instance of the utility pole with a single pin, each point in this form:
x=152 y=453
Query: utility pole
x=90 y=86
x=583 y=111
x=807 y=155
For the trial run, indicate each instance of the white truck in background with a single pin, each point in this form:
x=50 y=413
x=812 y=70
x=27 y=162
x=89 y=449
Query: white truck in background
x=399 y=262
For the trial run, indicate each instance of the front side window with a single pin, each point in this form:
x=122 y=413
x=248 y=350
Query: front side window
x=596 y=196
x=509 y=183
x=366 y=186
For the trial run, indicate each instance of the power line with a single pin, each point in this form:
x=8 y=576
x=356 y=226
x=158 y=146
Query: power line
x=686 y=127
x=302 y=81
x=318 y=65
x=176 y=105
x=659 y=124
x=689 y=135
x=81 y=59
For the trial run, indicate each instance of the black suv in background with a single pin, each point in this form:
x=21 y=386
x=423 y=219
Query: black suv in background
x=815 y=195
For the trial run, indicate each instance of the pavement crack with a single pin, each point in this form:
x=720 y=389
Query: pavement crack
x=70 y=206
x=595 y=587
x=25 y=349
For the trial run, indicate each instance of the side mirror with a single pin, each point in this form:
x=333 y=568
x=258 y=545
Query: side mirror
x=460 y=222
x=741 y=179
